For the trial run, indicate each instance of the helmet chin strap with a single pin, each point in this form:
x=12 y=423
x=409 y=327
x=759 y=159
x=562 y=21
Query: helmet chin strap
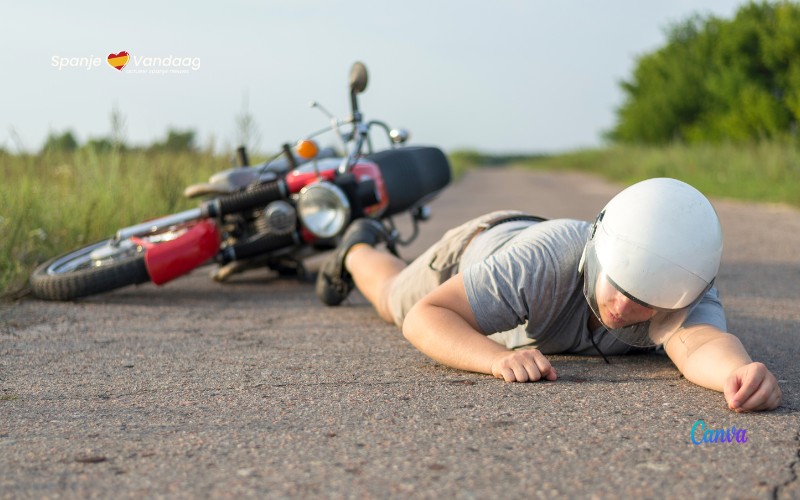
x=591 y=337
x=593 y=322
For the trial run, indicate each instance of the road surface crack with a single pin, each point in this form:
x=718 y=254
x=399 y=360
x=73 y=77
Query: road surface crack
x=793 y=466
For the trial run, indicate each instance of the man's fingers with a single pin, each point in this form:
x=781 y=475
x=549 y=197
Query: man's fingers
x=775 y=399
x=756 y=389
x=527 y=365
x=730 y=389
x=520 y=372
x=757 y=401
x=532 y=370
x=751 y=380
x=766 y=397
x=543 y=365
x=506 y=373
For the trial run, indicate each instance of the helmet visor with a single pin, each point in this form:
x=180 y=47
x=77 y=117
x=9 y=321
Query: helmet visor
x=629 y=319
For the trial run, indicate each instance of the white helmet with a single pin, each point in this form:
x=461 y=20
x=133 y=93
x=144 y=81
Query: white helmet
x=658 y=242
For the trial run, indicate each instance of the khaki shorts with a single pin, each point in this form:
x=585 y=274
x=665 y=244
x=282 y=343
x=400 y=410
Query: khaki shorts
x=437 y=264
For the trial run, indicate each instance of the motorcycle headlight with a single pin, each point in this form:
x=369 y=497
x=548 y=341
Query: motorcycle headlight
x=323 y=209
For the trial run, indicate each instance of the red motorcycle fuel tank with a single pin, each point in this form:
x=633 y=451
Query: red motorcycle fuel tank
x=166 y=261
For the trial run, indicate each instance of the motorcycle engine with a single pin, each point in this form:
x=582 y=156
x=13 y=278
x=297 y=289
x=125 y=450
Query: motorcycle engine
x=279 y=217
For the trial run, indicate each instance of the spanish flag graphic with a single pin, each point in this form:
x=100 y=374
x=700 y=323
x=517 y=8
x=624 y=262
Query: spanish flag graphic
x=119 y=61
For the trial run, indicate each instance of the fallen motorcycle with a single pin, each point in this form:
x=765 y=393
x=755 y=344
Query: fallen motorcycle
x=276 y=214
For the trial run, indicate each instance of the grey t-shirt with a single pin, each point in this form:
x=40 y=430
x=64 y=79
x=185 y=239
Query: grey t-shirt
x=524 y=288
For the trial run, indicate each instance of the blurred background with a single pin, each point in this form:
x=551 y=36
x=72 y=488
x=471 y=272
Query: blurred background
x=511 y=76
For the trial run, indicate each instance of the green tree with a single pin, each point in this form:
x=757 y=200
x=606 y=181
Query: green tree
x=65 y=142
x=176 y=141
x=100 y=144
x=717 y=80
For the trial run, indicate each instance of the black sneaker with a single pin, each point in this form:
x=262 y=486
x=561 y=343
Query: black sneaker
x=334 y=283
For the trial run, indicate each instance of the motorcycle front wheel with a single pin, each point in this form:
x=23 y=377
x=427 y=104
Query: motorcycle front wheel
x=99 y=267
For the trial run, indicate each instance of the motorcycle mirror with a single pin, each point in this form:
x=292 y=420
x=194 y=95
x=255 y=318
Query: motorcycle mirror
x=399 y=135
x=358 y=78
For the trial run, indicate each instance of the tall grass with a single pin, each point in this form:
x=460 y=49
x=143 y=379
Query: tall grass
x=51 y=203
x=763 y=172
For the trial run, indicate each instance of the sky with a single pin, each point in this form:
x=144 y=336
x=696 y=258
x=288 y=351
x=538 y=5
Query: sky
x=510 y=76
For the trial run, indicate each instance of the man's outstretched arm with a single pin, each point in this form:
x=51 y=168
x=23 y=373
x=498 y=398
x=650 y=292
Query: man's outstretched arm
x=718 y=360
x=442 y=326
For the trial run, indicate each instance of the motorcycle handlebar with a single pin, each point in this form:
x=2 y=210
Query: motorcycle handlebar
x=262 y=194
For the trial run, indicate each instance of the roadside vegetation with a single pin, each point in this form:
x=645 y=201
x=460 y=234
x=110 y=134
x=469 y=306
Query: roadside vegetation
x=767 y=171
x=55 y=201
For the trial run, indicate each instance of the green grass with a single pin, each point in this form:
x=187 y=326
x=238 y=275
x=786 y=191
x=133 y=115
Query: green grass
x=765 y=172
x=52 y=203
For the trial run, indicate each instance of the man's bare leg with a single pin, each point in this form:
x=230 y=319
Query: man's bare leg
x=373 y=272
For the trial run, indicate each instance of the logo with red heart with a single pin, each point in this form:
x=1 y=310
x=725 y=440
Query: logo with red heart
x=119 y=61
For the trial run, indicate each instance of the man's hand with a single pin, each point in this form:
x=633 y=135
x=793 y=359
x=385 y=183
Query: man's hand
x=752 y=387
x=525 y=365
x=705 y=355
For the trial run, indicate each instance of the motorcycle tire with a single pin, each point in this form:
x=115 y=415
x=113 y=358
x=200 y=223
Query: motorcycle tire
x=74 y=274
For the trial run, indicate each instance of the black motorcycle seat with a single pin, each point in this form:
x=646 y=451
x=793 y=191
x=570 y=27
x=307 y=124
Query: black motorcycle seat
x=413 y=175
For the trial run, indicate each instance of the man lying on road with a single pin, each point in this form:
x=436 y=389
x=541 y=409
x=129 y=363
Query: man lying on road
x=641 y=276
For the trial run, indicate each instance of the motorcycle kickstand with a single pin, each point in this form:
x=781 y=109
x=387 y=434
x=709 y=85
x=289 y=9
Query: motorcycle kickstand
x=222 y=273
x=291 y=268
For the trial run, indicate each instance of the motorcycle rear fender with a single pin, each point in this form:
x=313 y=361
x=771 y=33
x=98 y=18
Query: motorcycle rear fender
x=365 y=169
x=166 y=261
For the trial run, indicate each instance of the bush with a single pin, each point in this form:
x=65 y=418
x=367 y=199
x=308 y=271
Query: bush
x=64 y=143
x=718 y=80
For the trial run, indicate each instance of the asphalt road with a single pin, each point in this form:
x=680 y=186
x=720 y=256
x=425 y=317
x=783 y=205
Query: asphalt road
x=253 y=388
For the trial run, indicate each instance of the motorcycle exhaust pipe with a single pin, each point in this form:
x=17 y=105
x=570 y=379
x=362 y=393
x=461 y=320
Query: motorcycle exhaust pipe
x=259 y=245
